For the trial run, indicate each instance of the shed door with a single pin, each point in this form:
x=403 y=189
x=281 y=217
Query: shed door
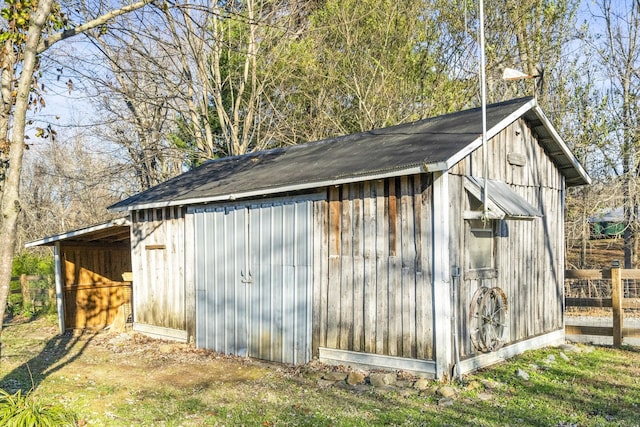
x=253 y=280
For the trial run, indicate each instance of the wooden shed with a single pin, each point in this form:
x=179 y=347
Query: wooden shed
x=92 y=274
x=372 y=249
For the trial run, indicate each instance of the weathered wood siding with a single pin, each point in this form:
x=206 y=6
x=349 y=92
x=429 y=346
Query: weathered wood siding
x=529 y=256
x=372 y=280
x=94 y=287
x=157 y=247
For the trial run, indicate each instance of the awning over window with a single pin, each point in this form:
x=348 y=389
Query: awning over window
x=503 y=202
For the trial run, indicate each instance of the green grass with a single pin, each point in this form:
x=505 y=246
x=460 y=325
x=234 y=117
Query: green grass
x=25 y=410
x=138 y=384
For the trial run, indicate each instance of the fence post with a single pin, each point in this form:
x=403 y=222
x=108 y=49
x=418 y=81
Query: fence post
x=616 y=302
x=26 y=292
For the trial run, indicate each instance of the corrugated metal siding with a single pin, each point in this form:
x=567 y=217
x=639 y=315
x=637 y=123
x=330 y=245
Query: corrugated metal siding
x=253 y=279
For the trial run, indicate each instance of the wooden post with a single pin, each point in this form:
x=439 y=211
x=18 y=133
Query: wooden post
x=59 y=279
x=441 y=275
x=26 y=293
x=616 y=302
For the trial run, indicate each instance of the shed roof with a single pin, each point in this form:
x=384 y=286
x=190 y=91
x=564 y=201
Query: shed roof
x=434 y=144
x=114 y=231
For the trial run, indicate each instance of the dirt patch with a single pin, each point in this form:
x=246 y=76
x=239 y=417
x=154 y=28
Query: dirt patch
x=103 y=356
x=600 y=253
x=129 y=379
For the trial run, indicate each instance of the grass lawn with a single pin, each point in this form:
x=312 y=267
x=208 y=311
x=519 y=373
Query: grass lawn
x=130 y=380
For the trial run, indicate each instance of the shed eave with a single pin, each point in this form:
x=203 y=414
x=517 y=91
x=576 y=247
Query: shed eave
x=412 y=170
x=50 y=240
x=493 y=131
x=581 y=177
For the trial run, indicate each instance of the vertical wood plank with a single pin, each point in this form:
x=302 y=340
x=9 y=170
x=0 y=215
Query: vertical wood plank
x=544 y=284
x=316 y=281
x=346 y=273
x=425 y=282
x=616 y=302
x=417 y=221
x=394 y=295
x=324 y=315
x=393 y=217
x=394 y=304
x=358 y=266
x=421 y=328
x=189 y=268
x=26 y=292
x=334 y=290
x=441 y=274
x=382 y=277
x=334 y=221
x=369 y=250
x=408 y=240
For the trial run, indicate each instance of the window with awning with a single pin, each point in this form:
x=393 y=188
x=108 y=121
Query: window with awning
x=502 y=201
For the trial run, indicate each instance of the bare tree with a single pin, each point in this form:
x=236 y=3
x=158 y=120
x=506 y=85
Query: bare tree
x=226 y=56
x=188 y=83
x=618 y=53
x=135 y=103
x=67 y=186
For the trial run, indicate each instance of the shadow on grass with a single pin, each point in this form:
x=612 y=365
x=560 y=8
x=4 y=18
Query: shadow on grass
x=58 y=351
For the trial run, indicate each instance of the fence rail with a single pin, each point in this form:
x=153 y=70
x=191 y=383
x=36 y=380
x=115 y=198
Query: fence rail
x=36 y=296
x=623 y=293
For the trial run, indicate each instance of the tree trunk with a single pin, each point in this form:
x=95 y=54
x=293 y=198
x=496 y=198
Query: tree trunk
x=7 y=67
x=584 y=235
x=11 y=190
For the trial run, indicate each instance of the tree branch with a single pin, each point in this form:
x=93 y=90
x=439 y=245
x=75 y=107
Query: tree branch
x=55 y=38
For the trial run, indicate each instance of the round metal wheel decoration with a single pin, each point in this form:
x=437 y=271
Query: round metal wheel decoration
x=488 y=319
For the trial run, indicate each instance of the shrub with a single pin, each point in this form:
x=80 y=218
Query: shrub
x=23 y=410
x=32 y=263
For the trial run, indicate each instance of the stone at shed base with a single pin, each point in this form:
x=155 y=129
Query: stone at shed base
x=473 y=385
x=334 y=376
x=522 y=375
x=362 y=388
x=491 y=385
x=422 y=384
x=355 y=378
x=382 y=379
x=322 y=383
x=447 y=391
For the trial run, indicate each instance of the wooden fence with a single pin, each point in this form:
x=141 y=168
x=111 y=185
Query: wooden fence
x=620 y=292
x=34 y=295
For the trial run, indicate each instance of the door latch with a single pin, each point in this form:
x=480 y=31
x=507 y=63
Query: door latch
x=246 y=278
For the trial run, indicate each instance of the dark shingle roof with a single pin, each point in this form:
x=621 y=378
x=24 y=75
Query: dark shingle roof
x=426 y=145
